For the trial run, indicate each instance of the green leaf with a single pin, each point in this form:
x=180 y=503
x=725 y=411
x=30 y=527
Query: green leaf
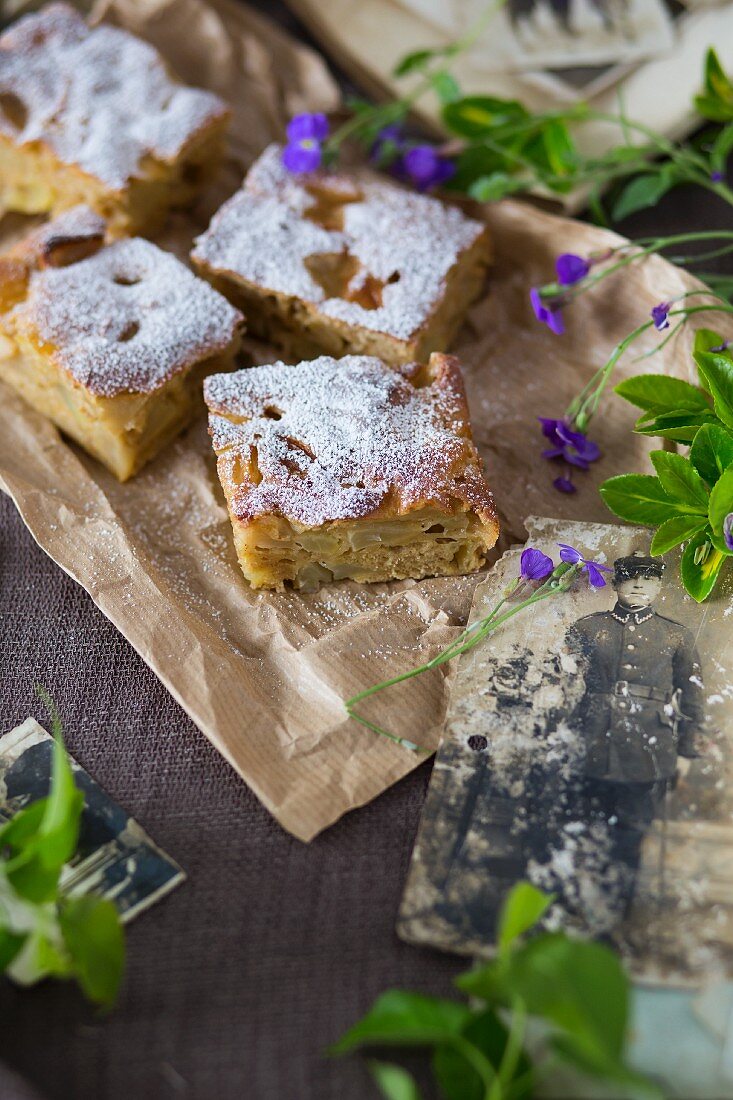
x=681 y=481
x=31 y=878
x=407 y=1019
x=523 y=908
x=721 y=505
x=717 y=371
x=658 y=391
x=415 y=61
x=560 y=148
x=679 y=425
x=579 y=986
x=394 y=1082
x=643 y=192
x=459 y=1080
x=639 y=498
x=10 y=945
x=674 y=531
x=476 y=116
x=96 y=944
x=496 y=186
x=712 y=452
x=22 y=828
x=717 y=102
x=699 y=578
x=596 y=1063
x=706 y=339
x=445 y=86
x=721 y=148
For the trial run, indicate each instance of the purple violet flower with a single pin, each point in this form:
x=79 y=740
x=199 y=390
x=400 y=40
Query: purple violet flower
x=549 y=315
x=571 y=268
x=534 y=565
x=572 y=556
x=307 y=126
x=728 y=531
x=659 y=316
x=716 y=177
x=426 y=168
x=571 y=446
x=722 y=347
x=303 y=151
x=564 y=485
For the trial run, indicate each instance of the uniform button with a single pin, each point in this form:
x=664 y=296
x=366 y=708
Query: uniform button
x=629 y=667
x=630 y=646
x=632 y=629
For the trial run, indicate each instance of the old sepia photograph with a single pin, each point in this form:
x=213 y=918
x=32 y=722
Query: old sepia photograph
x=555 y=34
x=588 y=750
x=115 y=858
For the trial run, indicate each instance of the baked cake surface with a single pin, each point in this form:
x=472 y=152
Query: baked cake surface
x=92 y=114
x=349 y=468
x=342 y=263
x=112 y=346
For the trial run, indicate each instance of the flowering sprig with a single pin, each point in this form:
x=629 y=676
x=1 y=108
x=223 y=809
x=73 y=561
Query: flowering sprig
x=497 y=147
x=306 y=134
x=539 y=579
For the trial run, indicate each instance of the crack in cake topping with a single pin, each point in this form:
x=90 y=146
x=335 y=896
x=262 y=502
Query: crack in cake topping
x=335 y=439
x=100 y=98
x=126 y=319
x=398 y=244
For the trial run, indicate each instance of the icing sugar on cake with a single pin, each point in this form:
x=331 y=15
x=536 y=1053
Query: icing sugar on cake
x=335 y=439
x=127 y=318
x=403 y=243
x=100 y=98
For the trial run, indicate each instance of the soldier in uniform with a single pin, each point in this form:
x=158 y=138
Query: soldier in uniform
x=643 y=705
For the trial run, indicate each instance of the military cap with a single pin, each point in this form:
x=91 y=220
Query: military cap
x=637 y=564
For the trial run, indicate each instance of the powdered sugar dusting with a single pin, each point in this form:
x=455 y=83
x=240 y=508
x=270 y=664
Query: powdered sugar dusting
x=127 y=318
x=81 y=223
x=335 y=439
x=100 y=98
x=406 y=242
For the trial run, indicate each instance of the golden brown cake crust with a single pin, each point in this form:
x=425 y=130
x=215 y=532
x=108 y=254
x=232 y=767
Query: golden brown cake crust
x=360 y=251
x=100 y=99
x=338 y=440
x=123 y=320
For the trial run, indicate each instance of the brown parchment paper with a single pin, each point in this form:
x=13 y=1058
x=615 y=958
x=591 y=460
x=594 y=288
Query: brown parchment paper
x=264 y=675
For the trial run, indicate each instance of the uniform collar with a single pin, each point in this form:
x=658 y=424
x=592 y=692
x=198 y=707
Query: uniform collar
x=624 y=614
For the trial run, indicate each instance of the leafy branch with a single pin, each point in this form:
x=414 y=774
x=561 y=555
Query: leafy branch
x=45 y=932
x=577 y=990
x=497 y=147
x=690 y=500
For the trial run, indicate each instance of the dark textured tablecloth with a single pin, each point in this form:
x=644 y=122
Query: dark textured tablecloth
x=239 y=980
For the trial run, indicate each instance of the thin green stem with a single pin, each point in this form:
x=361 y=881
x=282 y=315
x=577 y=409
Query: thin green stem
x=584 y=406
x=513 y=1048
x=559 y=581
x=478 y=1061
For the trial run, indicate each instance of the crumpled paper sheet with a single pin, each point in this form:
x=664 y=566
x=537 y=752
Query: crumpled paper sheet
x=264 y=675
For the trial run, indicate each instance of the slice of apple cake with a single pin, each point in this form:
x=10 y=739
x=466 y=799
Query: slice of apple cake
x=344 y=263
x=111 y=341
x=346 y=467
x=91 y=114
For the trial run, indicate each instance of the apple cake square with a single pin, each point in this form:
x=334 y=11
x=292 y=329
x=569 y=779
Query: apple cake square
x=349 y=468
x=91 y=114
x=344 y=264
x=111 y=341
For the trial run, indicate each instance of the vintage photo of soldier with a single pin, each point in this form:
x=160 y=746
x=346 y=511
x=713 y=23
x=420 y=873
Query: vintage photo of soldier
x=588 y=748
